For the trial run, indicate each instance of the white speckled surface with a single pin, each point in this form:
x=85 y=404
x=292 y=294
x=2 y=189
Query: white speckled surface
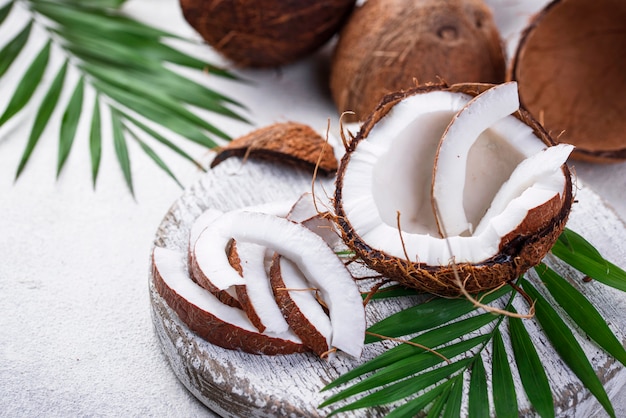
x=76 y=338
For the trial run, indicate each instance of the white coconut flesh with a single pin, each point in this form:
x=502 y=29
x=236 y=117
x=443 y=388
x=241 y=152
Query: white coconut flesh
x=304 y=298
x=170 y=265
x=315 y=259
x=389 y=179
x=258 y=289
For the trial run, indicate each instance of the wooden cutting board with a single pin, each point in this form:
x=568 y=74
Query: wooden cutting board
x=235 y=384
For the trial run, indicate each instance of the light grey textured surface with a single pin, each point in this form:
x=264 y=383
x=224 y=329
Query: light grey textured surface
x=76 y=338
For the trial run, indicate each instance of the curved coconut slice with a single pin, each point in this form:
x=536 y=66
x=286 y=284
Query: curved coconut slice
x=301 y=309
x=534 y=173
x=383 y=203
x=449 y=171
x=287 y=143
x=256 y=296
x=312 y=255
x=228 y=295
x=205 y=315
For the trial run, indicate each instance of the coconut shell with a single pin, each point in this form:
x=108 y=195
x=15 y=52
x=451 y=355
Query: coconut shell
x=390 y=45
x=289 y=143
x=266 y=33
x=519 y=250
x=569 y=66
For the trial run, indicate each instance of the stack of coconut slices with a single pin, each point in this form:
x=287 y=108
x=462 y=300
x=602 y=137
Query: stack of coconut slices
x=446 y=190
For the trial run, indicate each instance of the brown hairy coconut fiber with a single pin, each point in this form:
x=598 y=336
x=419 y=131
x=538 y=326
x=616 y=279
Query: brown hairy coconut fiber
x=518 y=250
x=290 y=143
x=390 y=45
x=570 y=67
x=266 y=33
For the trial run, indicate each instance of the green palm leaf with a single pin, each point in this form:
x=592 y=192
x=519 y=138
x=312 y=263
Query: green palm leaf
x=12 y=49
x=121 y=148
x=125 y=62
x=567 y=346
x=455 y=399
x=5 y=10
x=573 y=249
x=582 y=312
x=413 y=407
x=531 y=370
x=503 y=387
x=427 y=315
x=95 y=140
x=478 y=404
x=69 y=123
x=46 y=108
x=27 y=86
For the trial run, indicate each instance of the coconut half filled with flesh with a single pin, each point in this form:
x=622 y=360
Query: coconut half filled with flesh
x=456 y=187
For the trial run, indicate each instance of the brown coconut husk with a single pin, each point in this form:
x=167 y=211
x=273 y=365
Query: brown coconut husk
x=519 y=250
x=266 y=33
x=569 y=66
x=289 y=143
x=390 y=45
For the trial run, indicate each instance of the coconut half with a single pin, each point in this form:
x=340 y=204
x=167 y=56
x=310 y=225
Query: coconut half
x=459 y=146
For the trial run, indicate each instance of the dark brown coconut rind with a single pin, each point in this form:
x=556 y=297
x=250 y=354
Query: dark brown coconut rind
x=198 y=276
x=297 y=321
x=266 y=33
x=391 y=45
x=569 y=67
x=218 y=332
x=519 y=250
x=289 y=143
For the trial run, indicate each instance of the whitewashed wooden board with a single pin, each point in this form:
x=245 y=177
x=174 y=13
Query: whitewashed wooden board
x=234 y=384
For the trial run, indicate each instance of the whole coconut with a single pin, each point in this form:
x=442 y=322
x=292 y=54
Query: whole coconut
x=569 y=66
x=266 y=33
x=391 y=45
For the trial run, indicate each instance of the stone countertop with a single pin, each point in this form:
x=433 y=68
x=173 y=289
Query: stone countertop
x=76 y=337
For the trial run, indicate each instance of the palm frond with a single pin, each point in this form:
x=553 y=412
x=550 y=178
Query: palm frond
x=121 y=60
x=411 y=379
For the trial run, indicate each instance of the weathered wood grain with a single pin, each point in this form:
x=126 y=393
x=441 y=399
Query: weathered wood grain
x=235 y=384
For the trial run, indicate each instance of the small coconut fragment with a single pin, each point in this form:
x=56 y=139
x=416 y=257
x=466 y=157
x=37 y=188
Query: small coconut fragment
x=266 y=33
x=299 y=306
x=289 y=143
x=569 y=65
x=315 y=214
x=390 y=45
x=317 y=261
x=205 y=315
x=384 y=192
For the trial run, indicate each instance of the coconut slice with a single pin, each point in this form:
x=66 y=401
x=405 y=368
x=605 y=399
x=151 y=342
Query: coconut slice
x=449 y=171
x=321 y=267
x=383 y=191
x=205 y=315
x=299 y=305
x=256 y=296
x=228 y=295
